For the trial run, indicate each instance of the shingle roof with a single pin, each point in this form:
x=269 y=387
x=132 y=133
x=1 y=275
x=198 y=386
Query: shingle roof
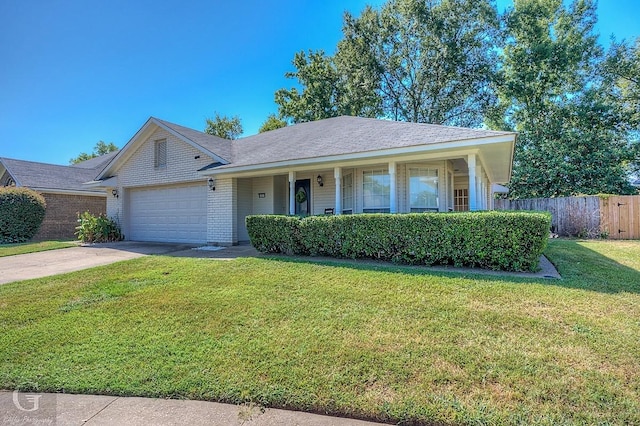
x=96 y=162
x=49 y=176
x=219 y=146
x=344 y=135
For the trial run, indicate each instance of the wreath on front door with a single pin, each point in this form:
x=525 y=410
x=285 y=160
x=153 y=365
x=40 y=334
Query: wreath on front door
x=301 y=196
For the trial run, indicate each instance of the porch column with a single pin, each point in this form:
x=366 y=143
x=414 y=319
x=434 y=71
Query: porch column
x=471 y=163
x=481 y=194
x=479 y=199
x=292 y=195
x=393 y=202
x=337 y=174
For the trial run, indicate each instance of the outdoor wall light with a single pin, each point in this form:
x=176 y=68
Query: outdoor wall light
x=114 y=192
x=212 y=184
x=319 y=180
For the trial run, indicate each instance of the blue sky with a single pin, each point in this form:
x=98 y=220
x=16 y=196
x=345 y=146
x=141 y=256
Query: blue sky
x=78 y=71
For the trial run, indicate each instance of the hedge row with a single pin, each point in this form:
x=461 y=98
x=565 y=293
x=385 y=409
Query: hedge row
x=502 y=240
x=21 y=214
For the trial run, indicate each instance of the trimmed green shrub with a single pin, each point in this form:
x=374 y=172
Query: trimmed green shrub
x=494 y=240
x=275 y=234
x=97 y=229
x=21 y=214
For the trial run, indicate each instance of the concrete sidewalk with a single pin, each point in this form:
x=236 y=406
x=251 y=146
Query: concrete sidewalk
x=31 y=408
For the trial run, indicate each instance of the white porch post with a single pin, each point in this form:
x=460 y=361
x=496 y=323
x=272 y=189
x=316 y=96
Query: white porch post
x=292 y=195
x=481 y=193
x=471 y=162
x=393 y=202
x=479 y=199
x=337 y=174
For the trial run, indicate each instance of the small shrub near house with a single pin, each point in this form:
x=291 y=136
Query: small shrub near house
x=21 y=214
x=97 y=229
x=494 y=240
x=275 y=233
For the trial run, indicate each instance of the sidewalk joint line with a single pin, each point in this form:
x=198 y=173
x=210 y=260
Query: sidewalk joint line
x=84 y=422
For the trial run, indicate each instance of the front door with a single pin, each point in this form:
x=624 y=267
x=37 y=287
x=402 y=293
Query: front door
x=302 y=197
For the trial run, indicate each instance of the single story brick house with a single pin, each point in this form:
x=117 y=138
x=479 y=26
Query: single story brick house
x=170 y=183
x=63 y=190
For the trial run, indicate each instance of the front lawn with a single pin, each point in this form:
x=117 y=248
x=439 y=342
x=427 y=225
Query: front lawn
x=390 y=344
x=22 y=248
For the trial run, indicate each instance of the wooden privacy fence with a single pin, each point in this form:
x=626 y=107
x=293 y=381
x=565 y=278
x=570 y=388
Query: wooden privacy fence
x=615 y=217
x=620 y=217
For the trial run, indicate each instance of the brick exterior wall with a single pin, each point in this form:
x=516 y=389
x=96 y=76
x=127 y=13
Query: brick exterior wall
x=139 y=171
x=222 y=220
x=61 y=214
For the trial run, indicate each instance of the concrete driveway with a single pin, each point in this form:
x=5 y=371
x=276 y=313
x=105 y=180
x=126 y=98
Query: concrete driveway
x=53 y=262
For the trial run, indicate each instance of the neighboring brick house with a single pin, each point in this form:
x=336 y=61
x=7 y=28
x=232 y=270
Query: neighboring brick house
x=174 y=184
x=63 y=191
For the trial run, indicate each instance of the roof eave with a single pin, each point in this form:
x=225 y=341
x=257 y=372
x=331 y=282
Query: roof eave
x=444 y=146
x=139 y=135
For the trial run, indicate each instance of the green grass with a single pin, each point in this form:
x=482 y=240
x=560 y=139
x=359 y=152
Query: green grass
x=391 y=344
x=22 y=248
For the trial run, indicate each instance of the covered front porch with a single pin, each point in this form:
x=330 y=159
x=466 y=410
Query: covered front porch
x=398 y=186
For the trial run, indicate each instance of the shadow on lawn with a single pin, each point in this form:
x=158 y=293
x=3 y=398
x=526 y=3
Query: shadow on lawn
x=580 y=267
x=587 y=269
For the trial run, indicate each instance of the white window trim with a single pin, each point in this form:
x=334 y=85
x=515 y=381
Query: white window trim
x=376 y=172
x=439 y=169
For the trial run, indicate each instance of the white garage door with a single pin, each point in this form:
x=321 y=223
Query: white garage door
x=175 y=214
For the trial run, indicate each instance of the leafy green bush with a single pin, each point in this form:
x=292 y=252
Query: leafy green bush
x=97 y=229
x=493 y=240
x=21 y=214
x=275 y=234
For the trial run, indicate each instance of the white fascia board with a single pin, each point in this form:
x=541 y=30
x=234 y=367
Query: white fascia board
x=454 y=145
x=106 y=183
x=328 y=164
x=124 y=152
x=142 y=134
x=190 y=142
x=70 y=192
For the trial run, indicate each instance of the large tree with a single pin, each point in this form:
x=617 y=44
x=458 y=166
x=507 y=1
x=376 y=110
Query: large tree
x=224 y=127
x=413 y=60
x=622 y=65
x=572 y=136
x=101 y=148
x=434 y=60
x=325 y=91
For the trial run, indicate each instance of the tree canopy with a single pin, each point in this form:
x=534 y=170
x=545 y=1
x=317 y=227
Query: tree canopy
x=572 y=136
x=272 y=123
x=433 y=61
x=537 y=69
x=101 y=148
x=224 y=127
